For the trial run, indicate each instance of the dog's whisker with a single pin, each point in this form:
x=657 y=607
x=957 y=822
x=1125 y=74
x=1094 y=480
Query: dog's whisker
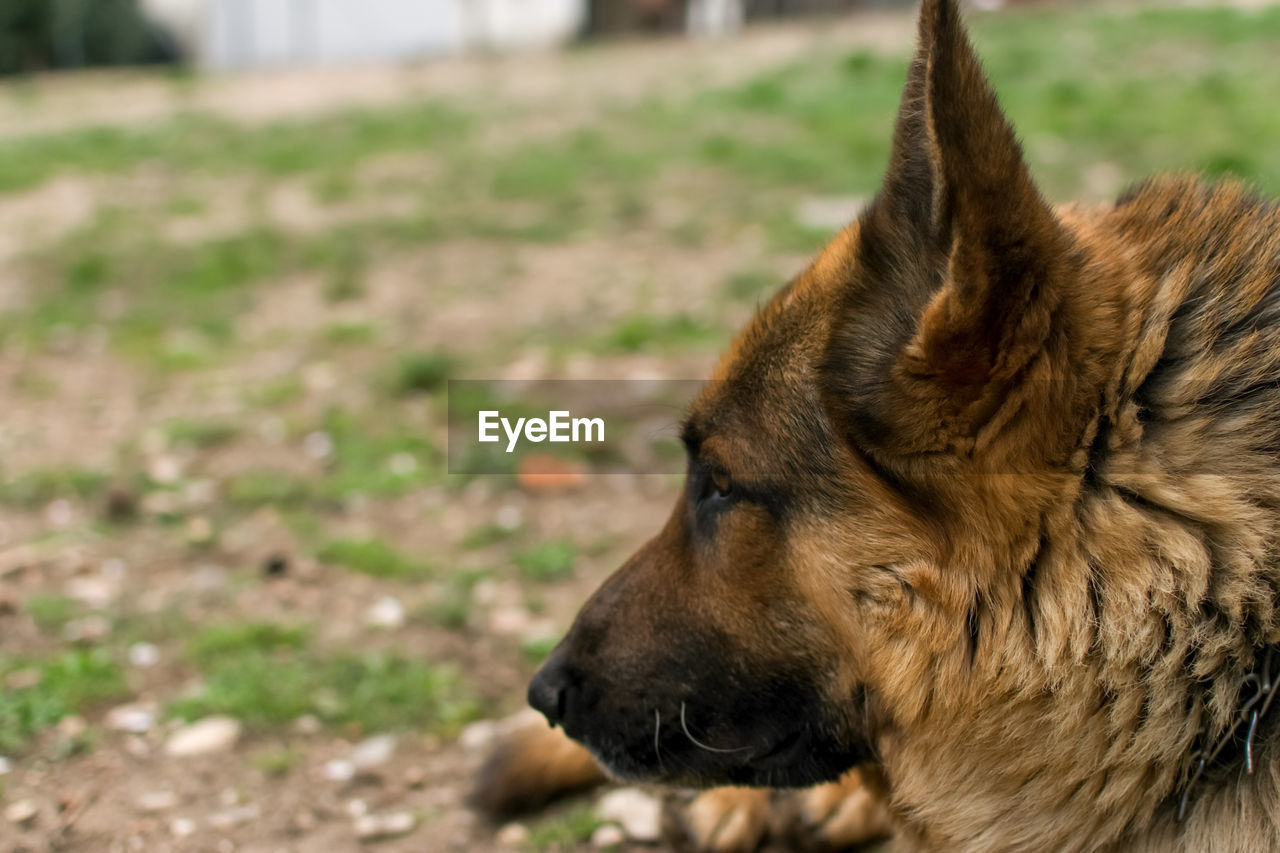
x=657 y=732
x=685 y=727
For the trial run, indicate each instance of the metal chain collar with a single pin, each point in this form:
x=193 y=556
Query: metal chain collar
x=1253 y=709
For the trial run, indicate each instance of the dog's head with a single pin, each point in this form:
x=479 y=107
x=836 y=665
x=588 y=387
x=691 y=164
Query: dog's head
x=813 y=583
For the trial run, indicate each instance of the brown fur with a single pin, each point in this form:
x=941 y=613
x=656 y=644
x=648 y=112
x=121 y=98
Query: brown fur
x=1004 y=514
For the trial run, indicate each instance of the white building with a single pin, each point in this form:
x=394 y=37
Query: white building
x=235 y=34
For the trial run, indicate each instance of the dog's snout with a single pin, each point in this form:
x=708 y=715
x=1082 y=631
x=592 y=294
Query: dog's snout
x=549 y=690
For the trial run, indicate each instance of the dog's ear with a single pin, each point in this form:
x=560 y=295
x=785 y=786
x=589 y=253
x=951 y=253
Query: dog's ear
x=951 y=291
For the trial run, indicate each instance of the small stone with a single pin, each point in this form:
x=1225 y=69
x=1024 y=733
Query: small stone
x=307 y=724
x=512 y=835
x=386 y=613
x=157 y=801
x=373 y=752
x=22 y=813
x=339 y=770
x=6 y=767
x=318 y=445
x=375 y=827
x=160 y=503
x=235 y=816
x=165 y=470
x=273 y=430
x=212 y=734
x=200 y=493
x=94 y=591
x=144 y=655
x=477 y=736
x=72 y=726
x=357 y=808
x=402 y=464
x=414 y=777
x=59 y=513
x=89 y=629
x=207 y=579
x=825 y=214
x=639 y=814
x=609 y=835
x=509 y=517
x=199 y=530
x=182 y=827
x=510 y=621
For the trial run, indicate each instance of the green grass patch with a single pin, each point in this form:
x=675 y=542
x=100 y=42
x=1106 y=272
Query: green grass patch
x=277 y=761
x=350 y=334
x=68 y=683
x=451 y=607
x=547 y=561
x=564 y=830
x=751 y=285
x=420 y=372
x=203 y=434
x=36 y=488
x=484 y=535
x=373 y=692
x=372 y=557
x=235 y=639
x=201 y=143
x=376 y=454
x=51 y=612
x=254 y=489
x=643 y=332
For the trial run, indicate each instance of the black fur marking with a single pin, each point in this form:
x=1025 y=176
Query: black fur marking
x=974 y=625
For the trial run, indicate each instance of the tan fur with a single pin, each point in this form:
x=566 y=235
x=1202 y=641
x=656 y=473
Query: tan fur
x=1008 y=513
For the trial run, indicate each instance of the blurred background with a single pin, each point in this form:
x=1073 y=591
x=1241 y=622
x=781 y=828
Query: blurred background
x=244 y=245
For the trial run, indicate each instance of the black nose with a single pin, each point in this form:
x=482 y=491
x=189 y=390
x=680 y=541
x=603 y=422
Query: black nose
x=549 y=690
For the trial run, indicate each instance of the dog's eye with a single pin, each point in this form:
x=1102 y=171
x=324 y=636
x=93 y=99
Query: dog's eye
x=721 y=485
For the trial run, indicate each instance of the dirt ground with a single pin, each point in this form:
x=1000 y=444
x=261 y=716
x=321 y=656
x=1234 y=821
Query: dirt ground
x=142 y=590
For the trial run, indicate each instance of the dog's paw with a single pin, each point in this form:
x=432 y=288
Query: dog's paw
x=721 y=820
x=841 y=815
x=529 y=765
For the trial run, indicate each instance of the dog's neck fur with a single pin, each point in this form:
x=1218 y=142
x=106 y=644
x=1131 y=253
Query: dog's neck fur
x=1148 y=588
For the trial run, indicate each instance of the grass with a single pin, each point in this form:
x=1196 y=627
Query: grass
x=202 y=434
x=268 y=675
x=643 y=332
x=51 y=612
x=548 y=561
x=372 y=557
x=277 y=761
x=484 y=535
x=451 y=607
x=38 y=487
x=419 y=372
x=564 y=829
x=202 y=143
x=254 y=489
x=68 y=683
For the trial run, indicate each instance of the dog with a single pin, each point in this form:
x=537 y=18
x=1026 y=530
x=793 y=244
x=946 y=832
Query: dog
x=986 y=499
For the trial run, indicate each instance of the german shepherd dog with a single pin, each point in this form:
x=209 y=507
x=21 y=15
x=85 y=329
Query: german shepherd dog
x=987 y=498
